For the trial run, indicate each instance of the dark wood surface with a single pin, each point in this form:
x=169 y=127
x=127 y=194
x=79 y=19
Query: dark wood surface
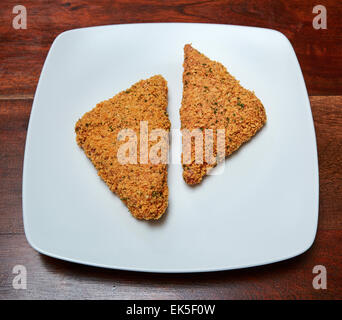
x=22 y=55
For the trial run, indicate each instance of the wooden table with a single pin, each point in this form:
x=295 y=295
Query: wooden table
x=22 y=55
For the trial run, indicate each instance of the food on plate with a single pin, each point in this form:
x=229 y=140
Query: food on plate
x=214 y=99
x=101 y=132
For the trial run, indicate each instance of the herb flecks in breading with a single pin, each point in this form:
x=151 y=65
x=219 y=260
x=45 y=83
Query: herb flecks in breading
x=216 y=100
x=97 y=133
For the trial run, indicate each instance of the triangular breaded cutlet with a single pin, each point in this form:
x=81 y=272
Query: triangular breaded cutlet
x=142 y=187
x=214 y=99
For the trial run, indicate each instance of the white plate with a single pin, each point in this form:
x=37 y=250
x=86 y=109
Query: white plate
x=263 y=208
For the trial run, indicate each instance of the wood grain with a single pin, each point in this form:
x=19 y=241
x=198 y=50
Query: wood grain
x=14 y=116
x=23 y=52
x=327 y=114
x=49 y=278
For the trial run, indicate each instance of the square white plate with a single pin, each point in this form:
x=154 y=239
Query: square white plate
x=263 y=208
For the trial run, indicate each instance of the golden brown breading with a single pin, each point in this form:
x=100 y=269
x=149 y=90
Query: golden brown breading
x=142 y=187
x=214 y=99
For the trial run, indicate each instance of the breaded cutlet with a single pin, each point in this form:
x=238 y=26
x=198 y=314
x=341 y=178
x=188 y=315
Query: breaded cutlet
x=214 y=99
x=142 y=187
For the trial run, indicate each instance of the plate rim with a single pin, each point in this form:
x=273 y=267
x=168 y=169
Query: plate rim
x=159 y=270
